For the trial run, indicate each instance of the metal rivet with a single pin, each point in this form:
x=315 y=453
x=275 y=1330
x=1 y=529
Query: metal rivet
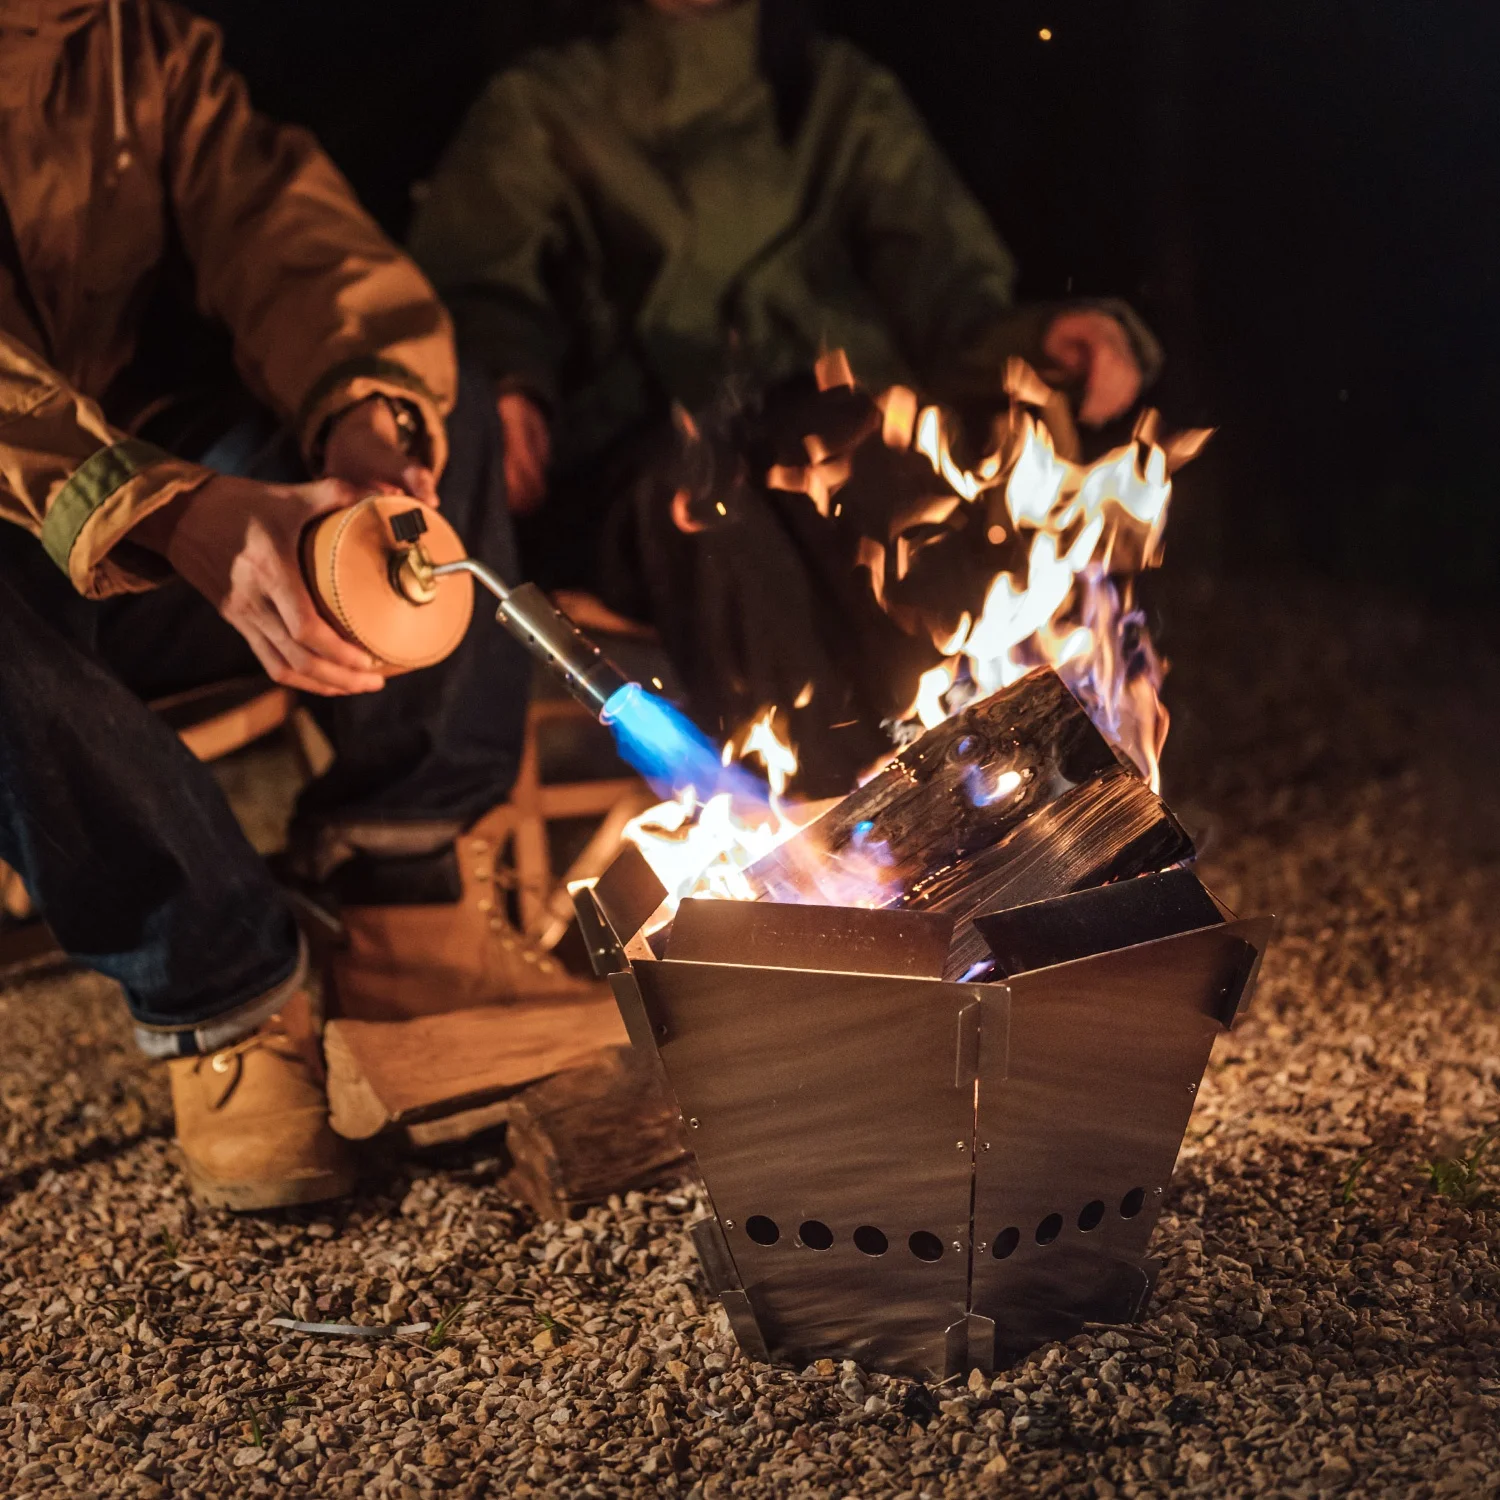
x=661 y=1030
x=1192 y=1088
x=983 y=1245
x=986 y=1145
x=693 y=1123
x=960 y=1144
x=958 y=1244
x=221 y=1062
x=729 y=1223
x=1157 y=1191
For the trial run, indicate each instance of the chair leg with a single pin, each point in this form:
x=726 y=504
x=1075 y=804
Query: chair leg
x=533 y=858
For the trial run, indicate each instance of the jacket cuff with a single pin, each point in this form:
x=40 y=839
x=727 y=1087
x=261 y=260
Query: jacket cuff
x=100 y=502
x=355 y=380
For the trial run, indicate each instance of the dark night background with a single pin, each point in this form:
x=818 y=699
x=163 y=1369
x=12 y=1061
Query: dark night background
x=1301 y=198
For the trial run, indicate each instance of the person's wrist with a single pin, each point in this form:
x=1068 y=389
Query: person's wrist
x=156 y=530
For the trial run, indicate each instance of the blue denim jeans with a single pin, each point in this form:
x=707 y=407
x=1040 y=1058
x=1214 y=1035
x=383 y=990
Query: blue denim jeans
x=124 y=840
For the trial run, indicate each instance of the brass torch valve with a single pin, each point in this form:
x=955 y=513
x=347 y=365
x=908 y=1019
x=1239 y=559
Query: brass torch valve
x=412 y=572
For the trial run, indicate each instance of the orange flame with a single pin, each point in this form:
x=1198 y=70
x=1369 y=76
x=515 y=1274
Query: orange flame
x=1086 y=531
x=1069 y=611
x=703 y=849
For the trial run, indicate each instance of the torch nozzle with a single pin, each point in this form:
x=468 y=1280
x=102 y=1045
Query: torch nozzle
x=549 y=635
x=650 y=734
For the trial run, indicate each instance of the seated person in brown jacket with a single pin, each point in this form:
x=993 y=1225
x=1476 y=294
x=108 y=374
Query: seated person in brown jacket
x=126 y=571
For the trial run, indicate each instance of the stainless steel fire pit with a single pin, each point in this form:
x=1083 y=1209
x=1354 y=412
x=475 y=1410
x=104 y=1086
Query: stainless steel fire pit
x=919 y=1175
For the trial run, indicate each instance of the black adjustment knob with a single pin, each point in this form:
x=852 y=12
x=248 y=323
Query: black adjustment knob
x=409 y=525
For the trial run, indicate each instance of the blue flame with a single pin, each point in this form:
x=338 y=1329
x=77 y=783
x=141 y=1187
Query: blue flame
x=667 y=748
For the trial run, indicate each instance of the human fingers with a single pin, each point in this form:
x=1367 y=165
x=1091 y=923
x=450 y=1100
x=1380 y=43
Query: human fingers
x=312 y=645
x=278 y=668
x=1114 y=382
x=539 y=433
x=523 y=482
x=418 y=481
x=312 y=672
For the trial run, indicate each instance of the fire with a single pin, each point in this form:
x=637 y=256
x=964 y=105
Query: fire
x=703 y=848
x=1089 y=529
x=1074 y=537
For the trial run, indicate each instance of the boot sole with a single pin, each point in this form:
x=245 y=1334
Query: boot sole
x=278 y=1192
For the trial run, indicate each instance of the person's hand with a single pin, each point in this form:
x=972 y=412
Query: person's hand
x=1090 y=349
x=364 y=447
x=238 y=543
x=528 y=451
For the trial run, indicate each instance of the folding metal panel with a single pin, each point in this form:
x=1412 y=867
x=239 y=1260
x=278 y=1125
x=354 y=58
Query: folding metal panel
x=845 y=939
x=1080 y=1117
x=839 y=1109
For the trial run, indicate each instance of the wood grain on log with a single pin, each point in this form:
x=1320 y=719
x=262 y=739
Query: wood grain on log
x=961 y=788
x=1110 y=828
x=583 y=1134
x=384 y=1073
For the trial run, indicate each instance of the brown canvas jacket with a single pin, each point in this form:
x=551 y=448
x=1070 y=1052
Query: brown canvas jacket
x=119 y=122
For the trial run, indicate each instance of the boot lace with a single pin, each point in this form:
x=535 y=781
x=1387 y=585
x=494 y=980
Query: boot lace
x=226 y=1066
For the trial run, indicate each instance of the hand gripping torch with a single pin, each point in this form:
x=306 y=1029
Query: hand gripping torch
x=393 y=577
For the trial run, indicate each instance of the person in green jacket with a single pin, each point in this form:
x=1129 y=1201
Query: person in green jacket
x=705 y=189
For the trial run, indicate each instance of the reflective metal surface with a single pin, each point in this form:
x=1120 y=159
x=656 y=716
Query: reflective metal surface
x=843 y=939
x=1081 y=1113
x=628 y=892
x=1084 y=923
x=823 y=1112
x=926 y=1176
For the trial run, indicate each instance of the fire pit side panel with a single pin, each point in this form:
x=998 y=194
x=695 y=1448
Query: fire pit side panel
x=1079 y=1124
x=832 y=1118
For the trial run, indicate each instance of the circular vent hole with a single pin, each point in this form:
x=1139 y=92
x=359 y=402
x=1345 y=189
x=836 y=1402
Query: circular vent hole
x=1049 y=1229
x=762 y=1230
x=925 y=1246
x=1005 y=1243
x=1132 y=1203
x=815 y=1234
x=1091 y=1216
x=869 y=1239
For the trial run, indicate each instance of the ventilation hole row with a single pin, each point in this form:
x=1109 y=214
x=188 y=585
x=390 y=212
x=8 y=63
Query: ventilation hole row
x=1090 y=1216
x=814 y=1234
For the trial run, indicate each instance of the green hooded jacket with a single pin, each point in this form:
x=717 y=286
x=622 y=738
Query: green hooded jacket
x=622 y=221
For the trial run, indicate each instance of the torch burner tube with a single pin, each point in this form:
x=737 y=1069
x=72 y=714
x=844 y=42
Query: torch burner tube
x=549 y=635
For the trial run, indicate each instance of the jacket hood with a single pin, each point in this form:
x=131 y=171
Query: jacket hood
x=46 y=25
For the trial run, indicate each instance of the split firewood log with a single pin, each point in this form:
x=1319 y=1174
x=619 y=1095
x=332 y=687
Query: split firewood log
x=959 y=789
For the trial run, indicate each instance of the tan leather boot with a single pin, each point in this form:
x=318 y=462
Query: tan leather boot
x=405 y=961
x=252 y=1119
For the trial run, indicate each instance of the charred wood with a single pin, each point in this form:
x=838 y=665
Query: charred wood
x=1112 y=828
x=963 y=787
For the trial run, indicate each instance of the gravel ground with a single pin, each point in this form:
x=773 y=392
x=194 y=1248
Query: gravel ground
x=1325 y=1324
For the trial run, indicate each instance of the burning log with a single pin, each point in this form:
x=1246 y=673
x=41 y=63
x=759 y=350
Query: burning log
x=1109 y=829
x=962 y=790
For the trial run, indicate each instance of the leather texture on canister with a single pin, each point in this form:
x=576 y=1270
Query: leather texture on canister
x=347 y=557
